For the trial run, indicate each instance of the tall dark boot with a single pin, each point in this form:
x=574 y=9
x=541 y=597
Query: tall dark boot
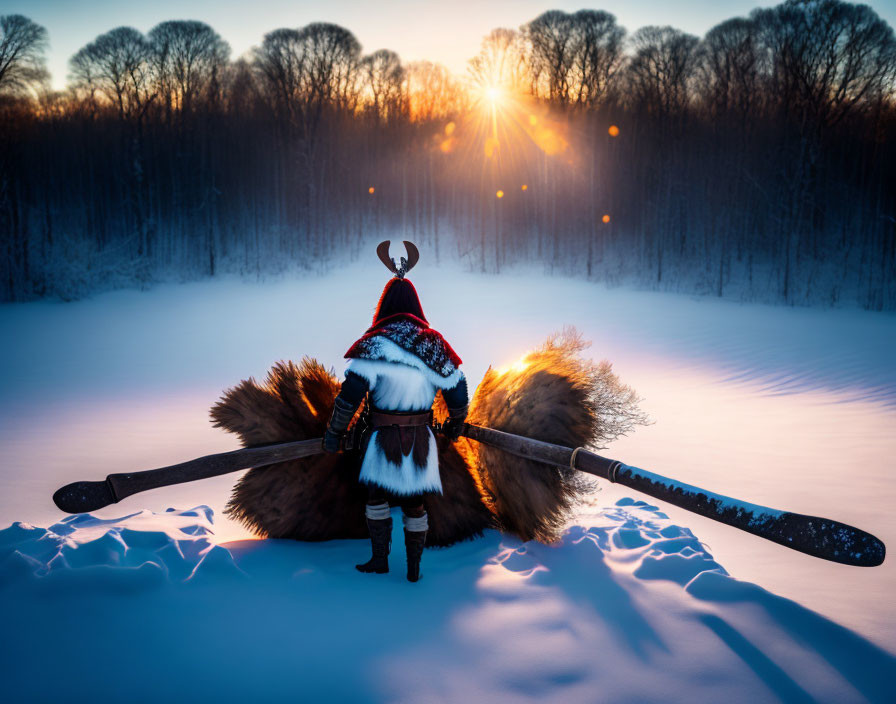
x=413 y=543
x=380 y=542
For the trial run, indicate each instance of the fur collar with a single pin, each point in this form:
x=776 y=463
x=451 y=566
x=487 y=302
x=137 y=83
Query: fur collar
x=385 y=354
x=411 y=335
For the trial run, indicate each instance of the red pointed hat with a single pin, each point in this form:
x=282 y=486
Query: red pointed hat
x=399 y=299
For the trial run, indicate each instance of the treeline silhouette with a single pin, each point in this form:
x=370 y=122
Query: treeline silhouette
x=758 y=162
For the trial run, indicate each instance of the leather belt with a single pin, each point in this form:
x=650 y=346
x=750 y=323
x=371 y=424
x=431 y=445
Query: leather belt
x=380 y=419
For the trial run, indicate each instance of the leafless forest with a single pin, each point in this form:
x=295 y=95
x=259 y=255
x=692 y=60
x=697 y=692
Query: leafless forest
x=757 y=162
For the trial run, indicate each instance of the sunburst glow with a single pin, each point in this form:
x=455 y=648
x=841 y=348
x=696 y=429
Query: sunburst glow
x=519 y=366
x=504 y=122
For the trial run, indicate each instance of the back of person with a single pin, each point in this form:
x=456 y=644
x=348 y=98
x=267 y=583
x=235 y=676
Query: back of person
x=398 y=365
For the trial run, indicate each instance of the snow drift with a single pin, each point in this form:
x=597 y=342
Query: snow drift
x=625 y=607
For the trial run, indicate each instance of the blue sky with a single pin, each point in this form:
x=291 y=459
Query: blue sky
x=446 y=32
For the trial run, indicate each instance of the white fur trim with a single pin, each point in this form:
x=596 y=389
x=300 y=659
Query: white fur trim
x=390 y=352
x=406 y=478
x=393 y=386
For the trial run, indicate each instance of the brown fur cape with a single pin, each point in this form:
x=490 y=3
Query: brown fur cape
x=553 y=394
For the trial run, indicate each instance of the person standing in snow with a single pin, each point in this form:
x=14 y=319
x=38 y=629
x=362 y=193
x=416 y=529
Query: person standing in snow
x=398 y=365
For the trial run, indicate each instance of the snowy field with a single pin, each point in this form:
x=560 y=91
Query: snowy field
x=791 y=408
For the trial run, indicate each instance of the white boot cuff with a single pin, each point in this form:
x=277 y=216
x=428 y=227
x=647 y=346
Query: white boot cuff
x=377 y=512
x=416 y=525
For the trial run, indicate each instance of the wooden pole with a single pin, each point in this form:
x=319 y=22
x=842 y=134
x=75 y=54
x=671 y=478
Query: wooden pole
x=83 y=496
x=820 y=537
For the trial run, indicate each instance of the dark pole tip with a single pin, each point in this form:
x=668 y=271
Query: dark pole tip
x=81 y=497
x=829 y=540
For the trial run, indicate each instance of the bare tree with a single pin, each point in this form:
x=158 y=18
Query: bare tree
x=432 y=92
x=308 y=70
x=281 y=64
x=660 y=70
x=597 y=55
x=501 y=62
x=190 y=58
x=825 y=57
x=384 y=77
x=574 y=57
x=551 y=46
x=333 y=56
x=729 y=68
x=118 y=65
x=823 y=61
x=22 y=46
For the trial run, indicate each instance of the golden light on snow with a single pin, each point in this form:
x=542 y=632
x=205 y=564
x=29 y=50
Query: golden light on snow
x=614 y=131
x=500 y=194
x=606 y=218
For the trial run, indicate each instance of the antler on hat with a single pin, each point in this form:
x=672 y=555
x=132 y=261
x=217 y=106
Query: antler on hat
x=406 y=265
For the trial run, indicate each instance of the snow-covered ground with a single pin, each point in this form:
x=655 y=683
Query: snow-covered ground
x=628 y=608
x=790 y=408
